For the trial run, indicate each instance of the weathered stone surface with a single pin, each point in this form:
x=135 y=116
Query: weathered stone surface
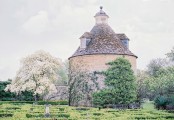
x=97 y=62
x=62 y=94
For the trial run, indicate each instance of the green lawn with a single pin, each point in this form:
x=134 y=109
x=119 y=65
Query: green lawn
x=14 y=111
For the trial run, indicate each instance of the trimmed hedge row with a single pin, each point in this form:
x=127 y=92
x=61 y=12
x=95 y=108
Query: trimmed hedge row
x=38 y=102
x=6 y=115
x=62 y=115
x=152 y=117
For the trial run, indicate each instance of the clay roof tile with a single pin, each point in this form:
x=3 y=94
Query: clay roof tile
x=104 y=41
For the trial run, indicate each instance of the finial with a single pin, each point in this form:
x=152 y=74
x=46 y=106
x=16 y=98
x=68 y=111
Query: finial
x=101 y=7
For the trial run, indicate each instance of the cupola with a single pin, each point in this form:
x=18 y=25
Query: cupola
x=101 y=17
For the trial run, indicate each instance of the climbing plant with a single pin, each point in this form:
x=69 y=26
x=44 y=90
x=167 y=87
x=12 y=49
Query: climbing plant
x=81 y=87
x=120 y=84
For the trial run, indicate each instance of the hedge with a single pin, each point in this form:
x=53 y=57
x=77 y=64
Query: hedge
x=38 y=102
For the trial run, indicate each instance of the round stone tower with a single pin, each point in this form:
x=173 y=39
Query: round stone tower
x=97 y=47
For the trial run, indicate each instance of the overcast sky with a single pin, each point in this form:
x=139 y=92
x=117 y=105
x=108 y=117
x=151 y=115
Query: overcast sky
x=56 y=25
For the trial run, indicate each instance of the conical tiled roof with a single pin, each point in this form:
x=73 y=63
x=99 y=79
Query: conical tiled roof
x=104 y=41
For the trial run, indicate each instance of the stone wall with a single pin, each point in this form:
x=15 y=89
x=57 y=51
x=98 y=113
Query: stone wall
x=93 y=64
x=98 y=62
x=62 y=94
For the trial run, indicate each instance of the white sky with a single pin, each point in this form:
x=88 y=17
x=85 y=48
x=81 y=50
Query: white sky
x=56 y=25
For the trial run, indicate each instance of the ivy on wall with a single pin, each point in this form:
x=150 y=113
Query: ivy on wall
x=81 y=87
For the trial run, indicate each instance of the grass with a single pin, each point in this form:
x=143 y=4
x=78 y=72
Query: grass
x=149 y=106
x=10 y=111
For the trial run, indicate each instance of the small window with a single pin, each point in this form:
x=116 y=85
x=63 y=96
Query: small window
x=126 y=43
x=83 y=43
x=87 y=41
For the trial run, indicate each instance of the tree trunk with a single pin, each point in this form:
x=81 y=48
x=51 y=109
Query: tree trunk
x=35 y=99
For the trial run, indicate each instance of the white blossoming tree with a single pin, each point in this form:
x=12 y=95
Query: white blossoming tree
x=38 y=73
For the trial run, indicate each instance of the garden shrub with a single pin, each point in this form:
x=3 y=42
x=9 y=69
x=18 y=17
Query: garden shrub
x=170 y=111
x=112 y=111
x=97 y=114
x=102 y=98
x=16 y=102
x=34 y=115
x=13 y=108
x=63 y=115
x=5 y=115
x=145 y=117
x=61 y=109
x=161 y=102
x=169 y=117
x=53 y=102
x=39 y=102
x=28 y=115
x=84 y=114
x=83 y=109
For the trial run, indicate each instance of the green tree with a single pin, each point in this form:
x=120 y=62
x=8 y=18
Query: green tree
x=142 y=84
x=5 y=95
x=155 y=65
x=120 y=84
x=8 y=96
x=163 y=84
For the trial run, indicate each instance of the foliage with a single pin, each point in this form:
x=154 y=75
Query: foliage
x=159 y=88
x=153 y=86
x=6 y=115
x=158 y=80
x=163 y=84
x=61 y=102
x=102 y=98
x=161 y=102
x=53 y=102
x=63 y=72
x=120 y=84
x=25 y=96
x=164 y=102
x=81 y=86
x=70 y=113
x=38 y=74
x=155 y=65
x=5 y=95
x=142 y=85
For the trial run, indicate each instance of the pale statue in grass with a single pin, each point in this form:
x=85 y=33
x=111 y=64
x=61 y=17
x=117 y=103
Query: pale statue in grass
x=38 y=73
